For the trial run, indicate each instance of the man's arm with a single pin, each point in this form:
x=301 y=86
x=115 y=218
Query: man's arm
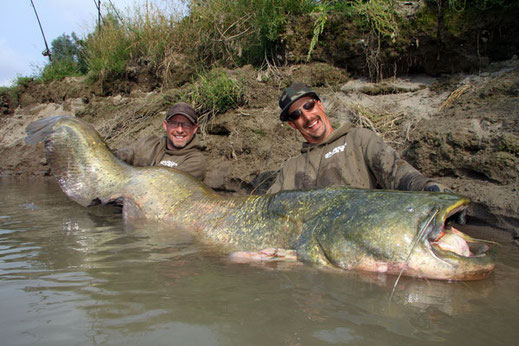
x=127 y=154
x=140 y=153
x=287 y=176
x=390 y=171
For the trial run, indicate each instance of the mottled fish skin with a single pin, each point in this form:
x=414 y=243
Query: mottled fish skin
x=371 y=230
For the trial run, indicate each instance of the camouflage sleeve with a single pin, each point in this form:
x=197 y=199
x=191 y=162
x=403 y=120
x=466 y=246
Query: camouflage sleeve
x=390 y=171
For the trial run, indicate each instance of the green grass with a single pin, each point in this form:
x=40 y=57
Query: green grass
x=59 y=70
x=214 y=92
x=230 y=33
x=108 y=51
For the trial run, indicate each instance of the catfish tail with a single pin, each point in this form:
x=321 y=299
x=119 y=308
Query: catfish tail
x=86 y=170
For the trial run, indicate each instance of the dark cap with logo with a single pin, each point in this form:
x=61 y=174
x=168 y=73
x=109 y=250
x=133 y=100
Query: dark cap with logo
x=183 y=109
x=291 y=95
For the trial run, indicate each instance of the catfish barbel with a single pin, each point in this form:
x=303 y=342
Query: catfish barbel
x=353 y=229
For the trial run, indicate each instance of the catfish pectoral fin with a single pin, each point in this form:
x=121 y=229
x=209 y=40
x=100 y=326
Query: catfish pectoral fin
x=308 y=248
x=132 y=211
x=265 y=255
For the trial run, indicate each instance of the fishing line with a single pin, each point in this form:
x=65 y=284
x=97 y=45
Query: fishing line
x=419 y=236
x=117 y=13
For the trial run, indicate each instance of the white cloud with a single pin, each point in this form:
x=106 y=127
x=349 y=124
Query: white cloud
x=12 y=64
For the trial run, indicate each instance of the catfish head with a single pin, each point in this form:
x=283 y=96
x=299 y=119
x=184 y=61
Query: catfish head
x=396 y=232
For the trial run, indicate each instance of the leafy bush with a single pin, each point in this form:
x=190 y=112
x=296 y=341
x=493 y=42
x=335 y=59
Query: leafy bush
x=379 y=15
x=231 y=33
x=236 y=32
x=60 y=69
x=70 y=49
x=22 y=82
x=214 y=92
x=67 y=59
x=481 y=5
x=322 y=10
x=215 y=32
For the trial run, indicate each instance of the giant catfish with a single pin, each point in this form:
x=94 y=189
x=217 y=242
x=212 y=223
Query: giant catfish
x=352 y=229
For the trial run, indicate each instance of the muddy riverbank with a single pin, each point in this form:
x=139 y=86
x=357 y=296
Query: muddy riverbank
x=462 y=130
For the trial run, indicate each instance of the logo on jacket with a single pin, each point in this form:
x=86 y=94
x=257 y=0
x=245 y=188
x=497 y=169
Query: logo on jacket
x=334 y=151
x=168 y=163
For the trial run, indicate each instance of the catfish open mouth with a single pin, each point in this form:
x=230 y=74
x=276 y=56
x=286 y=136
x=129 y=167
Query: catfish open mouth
x=447 y=240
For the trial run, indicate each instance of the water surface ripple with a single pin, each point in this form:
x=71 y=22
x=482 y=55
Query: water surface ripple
x=72 y=276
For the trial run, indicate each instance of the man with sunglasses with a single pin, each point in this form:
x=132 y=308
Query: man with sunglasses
x=348 y=156
x=179 y=148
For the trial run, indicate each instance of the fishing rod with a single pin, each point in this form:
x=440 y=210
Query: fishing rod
x=100 y=17
x=98 y=5
x=46 y=52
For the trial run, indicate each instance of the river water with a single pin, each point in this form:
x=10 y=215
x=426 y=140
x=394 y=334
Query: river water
x=73 y=276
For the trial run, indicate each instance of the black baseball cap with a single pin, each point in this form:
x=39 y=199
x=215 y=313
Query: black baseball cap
x=183 y=109
x=291 y=95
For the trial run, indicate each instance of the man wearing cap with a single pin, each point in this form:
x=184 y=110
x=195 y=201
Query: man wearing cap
x=348 y=156
x=179 y=148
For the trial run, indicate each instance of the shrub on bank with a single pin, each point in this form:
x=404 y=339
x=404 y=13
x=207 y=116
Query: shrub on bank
x=232 y=33
x=213 y=92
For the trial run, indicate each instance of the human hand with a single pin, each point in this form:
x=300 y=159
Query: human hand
x=436 y=187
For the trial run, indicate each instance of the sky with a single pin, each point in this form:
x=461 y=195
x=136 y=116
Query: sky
x=21 y=41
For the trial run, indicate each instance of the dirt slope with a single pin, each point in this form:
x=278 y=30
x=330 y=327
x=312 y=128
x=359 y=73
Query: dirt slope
x=462 y=130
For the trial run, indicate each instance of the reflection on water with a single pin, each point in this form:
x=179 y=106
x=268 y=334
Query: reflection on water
x=71 y=275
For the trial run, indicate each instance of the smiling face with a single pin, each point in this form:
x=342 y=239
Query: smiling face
x=312 y=123
x=179 y=131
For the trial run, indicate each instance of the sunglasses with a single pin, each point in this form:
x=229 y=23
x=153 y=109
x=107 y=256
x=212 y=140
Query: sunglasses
x=308 y=106
x=175 y=124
